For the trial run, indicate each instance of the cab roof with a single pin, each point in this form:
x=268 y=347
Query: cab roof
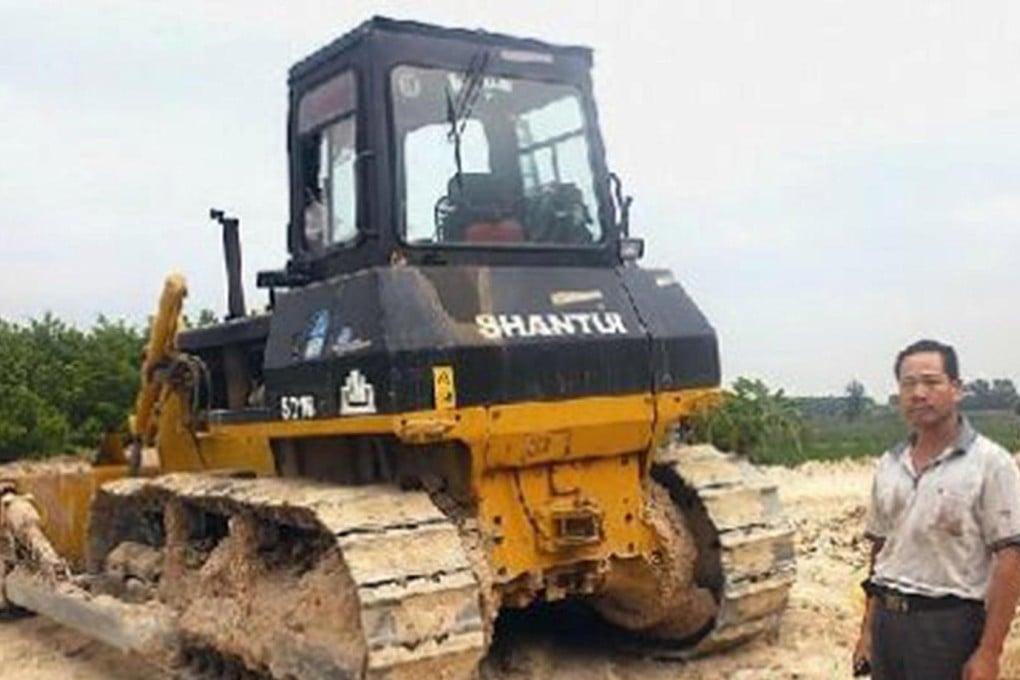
x=385 y=25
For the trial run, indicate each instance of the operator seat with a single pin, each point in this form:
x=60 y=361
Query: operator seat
x=479 y=208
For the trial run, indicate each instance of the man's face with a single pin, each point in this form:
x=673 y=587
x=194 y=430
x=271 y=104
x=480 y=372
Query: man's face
x=928 y=397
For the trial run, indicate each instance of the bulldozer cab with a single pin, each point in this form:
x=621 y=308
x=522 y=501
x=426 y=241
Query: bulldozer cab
x=418 y=144
x=450 y=206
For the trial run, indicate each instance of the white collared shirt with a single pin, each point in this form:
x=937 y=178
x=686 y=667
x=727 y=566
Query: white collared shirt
x=941 y=525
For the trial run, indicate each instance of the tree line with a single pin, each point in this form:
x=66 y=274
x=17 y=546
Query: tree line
x=62 y=387
x=998 y=394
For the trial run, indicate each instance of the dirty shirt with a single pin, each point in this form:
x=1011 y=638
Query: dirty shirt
x=941 y=525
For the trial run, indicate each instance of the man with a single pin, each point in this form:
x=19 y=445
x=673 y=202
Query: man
x=944 y=523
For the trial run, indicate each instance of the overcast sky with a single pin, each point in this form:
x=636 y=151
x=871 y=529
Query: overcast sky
x=829 y=179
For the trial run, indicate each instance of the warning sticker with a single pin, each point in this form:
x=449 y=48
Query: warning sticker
x=444 y=391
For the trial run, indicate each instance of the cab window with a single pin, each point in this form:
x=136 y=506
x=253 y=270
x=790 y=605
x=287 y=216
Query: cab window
x=327 y=129
x=491 y=160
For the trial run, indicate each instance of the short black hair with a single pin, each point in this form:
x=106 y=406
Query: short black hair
x=949 y=360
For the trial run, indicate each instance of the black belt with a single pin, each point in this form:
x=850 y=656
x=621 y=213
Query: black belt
x=903 y=603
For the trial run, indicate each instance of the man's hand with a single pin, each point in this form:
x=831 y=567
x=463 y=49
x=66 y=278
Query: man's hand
x=982 y=665
x=1000 y=604
x=862 y=650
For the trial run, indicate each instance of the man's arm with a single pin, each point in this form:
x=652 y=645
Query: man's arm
x=1003 y=593
x=875 y=530
x=1000 y=527
x=862 y=651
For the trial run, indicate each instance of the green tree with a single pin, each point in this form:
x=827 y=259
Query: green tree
x=1005 y=393
x=856 y=401
x=107 y=380
x=32 y=389
x=754 y=421
x=61 y=387
x=982 y=395
x=206 y=317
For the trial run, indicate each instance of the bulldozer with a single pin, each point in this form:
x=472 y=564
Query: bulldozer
x=464 y=396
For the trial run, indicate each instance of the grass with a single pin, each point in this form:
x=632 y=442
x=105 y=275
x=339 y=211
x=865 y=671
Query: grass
x=836 y=438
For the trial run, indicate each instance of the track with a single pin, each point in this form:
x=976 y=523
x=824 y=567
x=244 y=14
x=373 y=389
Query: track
x=385 y=591
x=746 y=545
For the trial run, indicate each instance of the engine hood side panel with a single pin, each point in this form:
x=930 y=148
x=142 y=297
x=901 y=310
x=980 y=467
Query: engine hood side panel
x=510 y=335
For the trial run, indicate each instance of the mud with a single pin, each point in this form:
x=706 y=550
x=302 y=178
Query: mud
x=253 y=590
x=814 y=640
x=648 y=597
x=239 y=605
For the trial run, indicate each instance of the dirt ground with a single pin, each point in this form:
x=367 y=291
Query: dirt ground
x=826 y=504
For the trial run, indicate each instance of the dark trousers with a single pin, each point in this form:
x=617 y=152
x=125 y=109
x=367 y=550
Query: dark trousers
x=930 y=644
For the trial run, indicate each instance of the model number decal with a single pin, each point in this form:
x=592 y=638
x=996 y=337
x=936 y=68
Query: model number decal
x=297 y=407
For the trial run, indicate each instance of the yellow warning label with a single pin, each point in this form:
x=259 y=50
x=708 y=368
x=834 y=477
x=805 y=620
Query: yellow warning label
x=444 y=390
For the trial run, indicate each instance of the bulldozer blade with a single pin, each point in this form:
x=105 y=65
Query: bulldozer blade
x=147 y=629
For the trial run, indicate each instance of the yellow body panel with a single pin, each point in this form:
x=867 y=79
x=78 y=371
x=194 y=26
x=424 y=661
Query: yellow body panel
x=546 y=432
x=182 y=449
x=520 y=508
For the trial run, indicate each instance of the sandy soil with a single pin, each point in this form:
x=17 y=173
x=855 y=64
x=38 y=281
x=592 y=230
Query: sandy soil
x=826 y=503
x=34 y=648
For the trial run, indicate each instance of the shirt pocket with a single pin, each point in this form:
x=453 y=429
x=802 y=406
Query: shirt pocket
x=954 y=506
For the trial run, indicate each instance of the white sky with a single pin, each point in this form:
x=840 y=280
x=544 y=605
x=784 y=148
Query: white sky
x=830 y=179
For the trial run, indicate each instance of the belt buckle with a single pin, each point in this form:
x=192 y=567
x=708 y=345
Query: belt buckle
x=897 y=603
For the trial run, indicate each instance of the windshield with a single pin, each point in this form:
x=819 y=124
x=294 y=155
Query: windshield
x=490 y=160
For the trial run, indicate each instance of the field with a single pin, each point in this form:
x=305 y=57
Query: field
x=835 y=438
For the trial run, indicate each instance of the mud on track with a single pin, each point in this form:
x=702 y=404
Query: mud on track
x=825 y=501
